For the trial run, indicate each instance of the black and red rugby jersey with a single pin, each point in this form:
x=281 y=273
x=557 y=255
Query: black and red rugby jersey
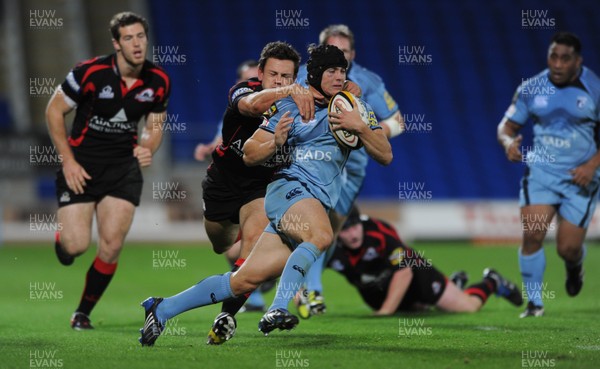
x=105 y=128
x=370 y=268
x=237 y=128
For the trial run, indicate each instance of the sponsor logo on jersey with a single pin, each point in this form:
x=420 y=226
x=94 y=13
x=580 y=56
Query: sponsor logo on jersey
x=397 y=256
x=146 y=95
x=372 y=119
x=106 y=93
x=240 y=91
x=271 y=111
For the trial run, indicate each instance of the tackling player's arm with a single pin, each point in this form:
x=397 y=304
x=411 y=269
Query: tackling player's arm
x=375 y=141
x=58 y=107
x=263 y=144
x=255 y=104
x=510 y=139
x=151 y=138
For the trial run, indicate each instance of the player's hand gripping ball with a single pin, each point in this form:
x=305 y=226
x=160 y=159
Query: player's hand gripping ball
x=349 y=102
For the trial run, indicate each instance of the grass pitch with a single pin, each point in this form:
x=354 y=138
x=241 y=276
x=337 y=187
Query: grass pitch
x=38 y=296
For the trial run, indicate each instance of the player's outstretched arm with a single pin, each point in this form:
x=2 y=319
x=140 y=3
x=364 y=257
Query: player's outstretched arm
x=254 y=105
x=510 y=139
x=396 y=291
x=56 y=110
x=263 y=144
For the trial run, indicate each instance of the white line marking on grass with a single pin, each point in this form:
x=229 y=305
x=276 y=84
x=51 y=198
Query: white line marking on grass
x=589 y=348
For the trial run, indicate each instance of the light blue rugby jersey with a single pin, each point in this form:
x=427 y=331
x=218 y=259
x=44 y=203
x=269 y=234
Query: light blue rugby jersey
x=382 y=103
x=315 y=158
x=565 y=121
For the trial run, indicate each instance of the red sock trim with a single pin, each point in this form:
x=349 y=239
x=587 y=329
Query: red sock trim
x=104 y=268
x=474 y=291
x=57 y=236
x=238 y=263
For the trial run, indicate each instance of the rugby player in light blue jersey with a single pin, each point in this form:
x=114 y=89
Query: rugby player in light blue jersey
x=386 y=110
x=296 y=203
x=562 y=176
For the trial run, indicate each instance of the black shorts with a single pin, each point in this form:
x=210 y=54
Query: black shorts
x=427 y=286
x=224 y=194
x=123 y=181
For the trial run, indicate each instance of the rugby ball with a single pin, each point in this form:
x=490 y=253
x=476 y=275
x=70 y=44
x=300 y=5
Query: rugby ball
x=349 y=102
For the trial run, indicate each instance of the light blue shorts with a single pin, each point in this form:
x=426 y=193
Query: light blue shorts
x=575 y=203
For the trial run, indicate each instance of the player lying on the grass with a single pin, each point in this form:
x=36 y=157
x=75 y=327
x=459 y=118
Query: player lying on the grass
x=296 y=202
x=562 y=175
x=392 y=277
x=102 y=156
x=387 y=113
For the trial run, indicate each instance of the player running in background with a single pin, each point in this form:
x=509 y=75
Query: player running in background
x=562 y=166
x=392 y=277
x=387 y=113
x=296 y=202
x=102 y=156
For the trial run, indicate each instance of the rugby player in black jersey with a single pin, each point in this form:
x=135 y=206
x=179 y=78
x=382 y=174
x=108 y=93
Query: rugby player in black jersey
x=102 y=155
x=392 y=277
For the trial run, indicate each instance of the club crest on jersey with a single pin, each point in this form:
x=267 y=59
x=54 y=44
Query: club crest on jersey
x=370 y=254
x=581 y=100
x=146 y=95
x=540 y=101
x=106 y=93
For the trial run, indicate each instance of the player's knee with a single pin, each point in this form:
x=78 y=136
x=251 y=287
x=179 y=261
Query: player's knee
x=321 y=239
x=531 y=244
x=220 y=248
x=240 y=284
x=569 y=251
x=110 y=248
x=74 y=245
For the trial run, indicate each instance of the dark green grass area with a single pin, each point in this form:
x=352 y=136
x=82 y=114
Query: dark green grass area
x=38 y=296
